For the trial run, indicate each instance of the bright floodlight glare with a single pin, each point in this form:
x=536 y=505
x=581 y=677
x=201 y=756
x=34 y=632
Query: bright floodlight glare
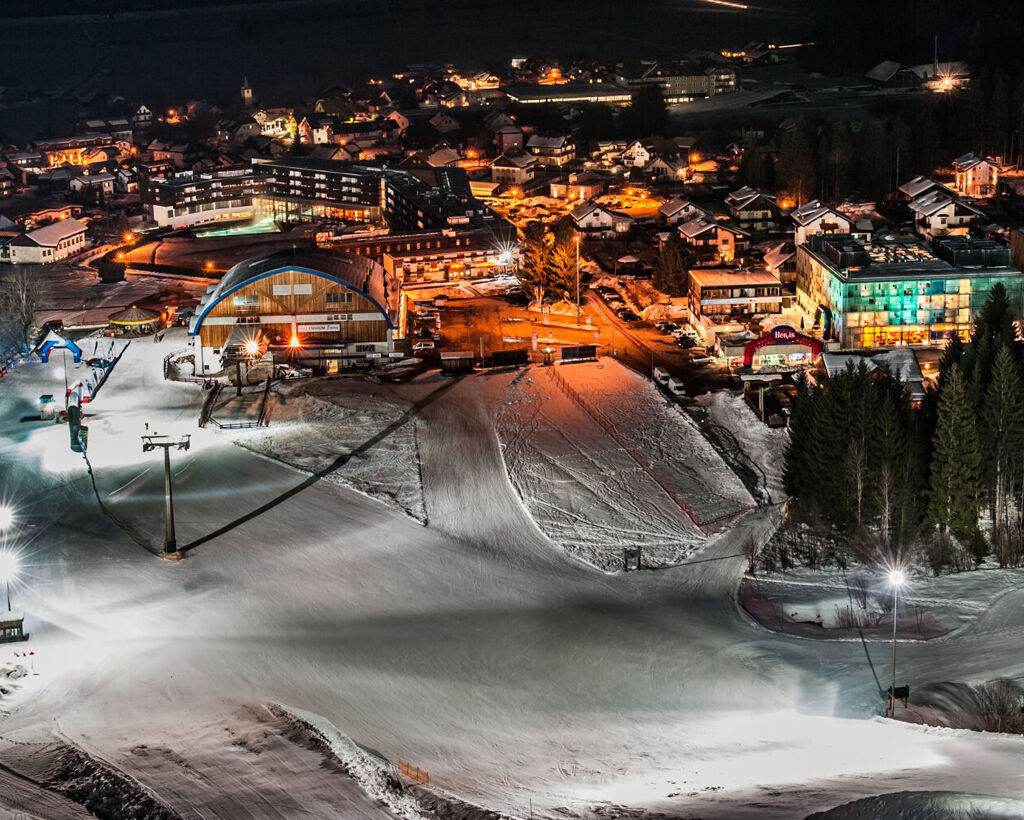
x=6 y=517
x=8 y=565
x=897 y=578
x=252 y=347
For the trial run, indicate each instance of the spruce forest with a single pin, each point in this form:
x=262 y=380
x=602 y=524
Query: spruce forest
x=943 y=481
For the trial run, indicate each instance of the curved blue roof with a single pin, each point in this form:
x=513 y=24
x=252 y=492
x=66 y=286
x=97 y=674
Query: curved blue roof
x=357 y=273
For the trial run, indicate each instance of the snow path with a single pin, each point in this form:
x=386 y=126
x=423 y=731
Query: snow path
x=472 y=648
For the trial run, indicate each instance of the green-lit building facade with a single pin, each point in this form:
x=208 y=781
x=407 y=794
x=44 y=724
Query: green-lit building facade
x=900 y=292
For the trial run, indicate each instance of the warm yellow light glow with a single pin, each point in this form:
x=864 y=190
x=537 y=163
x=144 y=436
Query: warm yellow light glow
x=129 y=237
x=209 y=264
x=295 y=341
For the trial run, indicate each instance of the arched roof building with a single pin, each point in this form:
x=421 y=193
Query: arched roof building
x=303 y=304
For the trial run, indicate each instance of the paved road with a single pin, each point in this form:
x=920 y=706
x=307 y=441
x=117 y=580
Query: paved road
x=503 y=326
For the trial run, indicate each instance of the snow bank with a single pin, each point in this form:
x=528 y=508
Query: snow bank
x=373 y=775
x=927 y=806
x=752 y=445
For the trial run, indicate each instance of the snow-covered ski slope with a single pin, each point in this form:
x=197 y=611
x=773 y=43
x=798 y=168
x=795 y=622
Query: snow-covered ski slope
x=472 y=647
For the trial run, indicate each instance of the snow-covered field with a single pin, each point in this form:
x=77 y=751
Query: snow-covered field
x=519 y=678
x=602 y=461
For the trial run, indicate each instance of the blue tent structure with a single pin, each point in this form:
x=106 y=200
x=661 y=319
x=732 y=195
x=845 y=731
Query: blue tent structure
x=53 y=341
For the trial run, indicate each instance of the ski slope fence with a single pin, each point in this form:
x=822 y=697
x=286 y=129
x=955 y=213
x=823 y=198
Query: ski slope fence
x=706 y=527
x=413 y=773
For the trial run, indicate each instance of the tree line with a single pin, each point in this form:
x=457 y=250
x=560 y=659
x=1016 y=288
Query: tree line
x=947 y=477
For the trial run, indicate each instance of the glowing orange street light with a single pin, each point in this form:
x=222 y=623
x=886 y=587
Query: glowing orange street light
x=295 y=341
x=694 y=157
x=129 y=237
x=120 y=256
x=209 y=264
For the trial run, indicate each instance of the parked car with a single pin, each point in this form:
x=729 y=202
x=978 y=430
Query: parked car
x=626 y=315
x=423 y=347
x=676 y=386
x=665 y=327
x=685 y=342
x=661 y=375
x=701 y=361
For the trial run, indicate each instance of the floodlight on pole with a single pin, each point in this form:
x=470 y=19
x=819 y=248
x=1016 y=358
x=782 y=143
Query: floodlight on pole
x=6 y=517
x=9 y=566
x=897 y=578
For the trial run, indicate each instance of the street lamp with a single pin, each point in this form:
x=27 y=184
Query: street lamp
x=9 y=564
x=578 y=237
x=897 y=578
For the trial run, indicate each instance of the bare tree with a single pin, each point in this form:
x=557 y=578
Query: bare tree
x=751 y=549
x=21 y=296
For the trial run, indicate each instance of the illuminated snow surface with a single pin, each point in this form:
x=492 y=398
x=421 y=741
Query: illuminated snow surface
x=472 y=646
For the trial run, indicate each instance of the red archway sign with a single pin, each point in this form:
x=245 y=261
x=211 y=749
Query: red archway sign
x=783 y=334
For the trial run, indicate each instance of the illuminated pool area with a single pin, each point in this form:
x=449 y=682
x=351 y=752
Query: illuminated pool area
x=264 y=225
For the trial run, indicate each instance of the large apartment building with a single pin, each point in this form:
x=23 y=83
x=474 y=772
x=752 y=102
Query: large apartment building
x=899 y=292
x=184 y=199
x=303 y=189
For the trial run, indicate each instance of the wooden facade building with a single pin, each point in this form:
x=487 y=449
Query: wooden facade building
x=299 y=306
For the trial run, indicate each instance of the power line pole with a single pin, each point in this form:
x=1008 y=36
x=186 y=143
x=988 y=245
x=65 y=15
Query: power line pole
x=151 y=443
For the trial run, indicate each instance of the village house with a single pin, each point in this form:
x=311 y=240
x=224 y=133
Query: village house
x=814 y=218
x=714 y=242
x=753 y=210
x=579 y=185
x=976 y=177
x=780 y=260
x=716 y=294
x=514 y=169
x=937 y=214
x=551 y=151
x=95 y=188
x=663 y=168
x=678 y=210
x=49 y=244
x=919 y=186
x=594 y=221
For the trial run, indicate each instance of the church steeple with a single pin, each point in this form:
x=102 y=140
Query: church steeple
x=247 y=98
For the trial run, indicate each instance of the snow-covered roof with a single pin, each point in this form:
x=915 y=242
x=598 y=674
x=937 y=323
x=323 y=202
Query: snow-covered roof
x=813 y=211
x=745 y=196
x=779 y=254
x=921 y=185
x=514 y=161
x=884 y=71
x=584 y=209
x=673 y=206
x=899 y=361
x=968 y=161
x=695 y=227
x=52 y=234
x=537 y=141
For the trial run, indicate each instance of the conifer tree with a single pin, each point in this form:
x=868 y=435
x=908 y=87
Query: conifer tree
x=1003 y=433
x=956 y=465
